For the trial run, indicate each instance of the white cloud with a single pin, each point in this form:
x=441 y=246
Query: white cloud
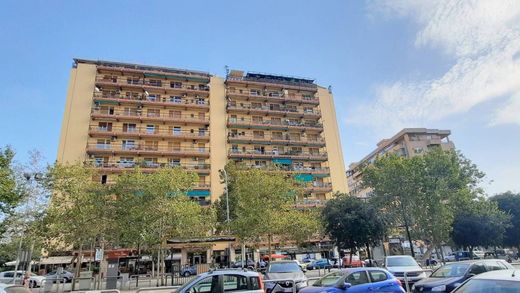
x=482 y=37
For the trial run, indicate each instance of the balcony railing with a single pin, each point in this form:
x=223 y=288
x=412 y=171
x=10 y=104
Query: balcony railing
x=284 y=140
x=149 y=100
x=276 y=154
x=284 y=124
x=146 y=149
x=292 y=169
x=126 y=81
x=146 y=132
x=275 y=96
x=277 y=83
x=273 y=110
x=145 y=116
x=319 y=187
x=119 y=166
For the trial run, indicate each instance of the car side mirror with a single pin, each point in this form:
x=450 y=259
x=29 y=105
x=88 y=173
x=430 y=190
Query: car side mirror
x=346 y=285
x=471 y=275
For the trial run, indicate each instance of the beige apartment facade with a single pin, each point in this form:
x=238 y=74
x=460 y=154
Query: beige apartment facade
x=408 y=142
x=119 y=115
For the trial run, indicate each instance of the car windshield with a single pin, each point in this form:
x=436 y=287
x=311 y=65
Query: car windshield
x=284 y=267
x=16 y=289
x=490 y=286
x=329 y=280
x=451 y=270
x=401 y=262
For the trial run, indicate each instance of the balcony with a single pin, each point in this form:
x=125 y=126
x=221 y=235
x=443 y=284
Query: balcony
x=283 y=140
x=279 y=125
x=319 y=187
x=143 y=149
x=121 y=166
x=144 y=100
x=309 y=203
x=149 y=84
x=273 y=83
x=143 y=132
x=138 y=115
x=285 y=111
x=292 y=169
x=252 y=154
x=274 y=96
x=202 y=186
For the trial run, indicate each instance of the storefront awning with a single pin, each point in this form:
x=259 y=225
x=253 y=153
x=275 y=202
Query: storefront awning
x=196 y=193
x=55 y=260
x=303 y=177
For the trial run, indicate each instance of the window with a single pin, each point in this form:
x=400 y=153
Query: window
x=176 y=130
x=418 y=150
x=329 y=280
x=128 y=144
x=477 y=268
x=174 y=162
x=202 y=131
x=129 y=127
x=153 y=113
x=234 y=283
x=133 y=80
x=255 y=283
x=151 y=145
x=100 y=161
x=176 y=99
x=150 y=129
x=493 y=266
x=206 y=285
x=151 y=162
x=105 y=126
x=377 y=276
x=104 y=179
x=174 y=146
x=308 y=110
x=126 y=162
x=103 y=144
x=175 y=114
x=202 y=148
x=155 y=82
x=357 y=278
x=258 y=134
x=153 y=97
x=176 y=85
x=200 y=101
x=130 y=111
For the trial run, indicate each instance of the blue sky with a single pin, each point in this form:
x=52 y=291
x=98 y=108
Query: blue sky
x=391 y=64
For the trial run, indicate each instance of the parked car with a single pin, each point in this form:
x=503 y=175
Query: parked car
x=449 y=257
x=217 y=281
x=187 y=271
x=356 y=280
x=319 y=264
x=501 y=281
x=247 y=264
x=33 y=281
x=64 y=276
x=401 y=265
x=11 y=288
x=356 y=262
x=462 y=255
x=284 y=270
x=478 y=254
x=450 y=276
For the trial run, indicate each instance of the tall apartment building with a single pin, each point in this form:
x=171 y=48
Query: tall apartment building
x=408 y=142
x=120 y=115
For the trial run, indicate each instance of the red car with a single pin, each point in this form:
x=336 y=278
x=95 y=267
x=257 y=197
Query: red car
x=356 y=262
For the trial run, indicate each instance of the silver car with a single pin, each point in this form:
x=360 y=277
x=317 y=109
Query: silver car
x=289 y=272
x=404 y=267
x=218 y=281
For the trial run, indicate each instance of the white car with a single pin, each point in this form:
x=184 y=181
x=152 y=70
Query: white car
x=500 y=281
x=34 y=280
x=404 y=267
x=478 y=254
x=11 y=288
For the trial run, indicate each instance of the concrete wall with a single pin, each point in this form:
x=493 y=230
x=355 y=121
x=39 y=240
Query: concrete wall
x=217 y=130
x=332 y=141
x=76 y=118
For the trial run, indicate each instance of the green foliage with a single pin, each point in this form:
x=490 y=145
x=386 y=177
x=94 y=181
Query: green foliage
x=352 y=223
x=509 y=203
x=261 y=206
x=10 y=192
x=152 y=208
x=423 y=190
x=480 y=223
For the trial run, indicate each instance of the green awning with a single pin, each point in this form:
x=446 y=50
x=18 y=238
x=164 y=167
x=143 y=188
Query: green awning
x=105 y=102
x=322 y=175
x=303 y=177
x=197 y=79
x=282 y=161
x=197 y=193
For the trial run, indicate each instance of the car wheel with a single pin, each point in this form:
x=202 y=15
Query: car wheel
x=31 y=284
x=186 y=274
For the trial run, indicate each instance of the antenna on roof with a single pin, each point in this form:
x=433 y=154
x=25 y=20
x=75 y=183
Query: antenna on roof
x=330 y=89
x=227 y=70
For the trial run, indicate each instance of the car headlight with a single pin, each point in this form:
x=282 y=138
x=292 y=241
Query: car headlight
x=301 y=284
x=413 y=288
x=439 y=288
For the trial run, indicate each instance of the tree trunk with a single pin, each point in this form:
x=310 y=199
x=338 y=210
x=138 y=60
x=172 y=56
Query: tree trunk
x=78 y=266
x=369 y=255
x=269 y=246
x=409 y=237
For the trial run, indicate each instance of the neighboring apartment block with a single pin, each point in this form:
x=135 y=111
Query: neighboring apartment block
x=120 y=115
x=408 y=142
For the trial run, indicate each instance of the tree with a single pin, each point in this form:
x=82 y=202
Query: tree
x=10 y=191
x=261 y=204
x=480 y=223
x=152 y=208
x=352 y=223
x=509 y=203
x=422 y=192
